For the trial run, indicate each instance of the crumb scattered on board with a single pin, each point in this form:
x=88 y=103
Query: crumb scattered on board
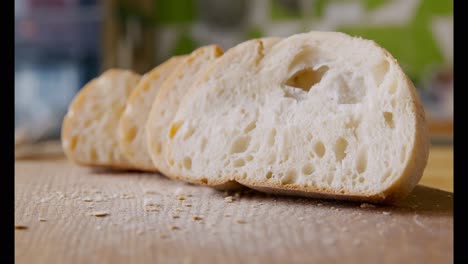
x=100 y=214
x=366 y=205
x=42 y=219
x=197 y=218
x=180 y=197
x=175 y=217
x=21 y=227
x=174 y=227
x=229 y=199
x=241 y=221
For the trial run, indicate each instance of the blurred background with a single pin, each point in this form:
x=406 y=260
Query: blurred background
x=62 y=44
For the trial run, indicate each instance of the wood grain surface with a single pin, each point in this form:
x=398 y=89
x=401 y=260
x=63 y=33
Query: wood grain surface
x=70 y=214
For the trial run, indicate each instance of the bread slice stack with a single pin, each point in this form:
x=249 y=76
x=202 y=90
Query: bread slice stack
x=318 y=114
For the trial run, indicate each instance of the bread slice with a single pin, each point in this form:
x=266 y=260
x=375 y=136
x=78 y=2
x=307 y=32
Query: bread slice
x=168 y=99
x=90 y=127
x=133 y=120
x=320 y=114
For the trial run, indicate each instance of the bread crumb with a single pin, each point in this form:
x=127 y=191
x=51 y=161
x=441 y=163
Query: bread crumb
x=229 y=199
x=21 y=227
x=151 y=192
x=180 y=198
x=87 y=200
x=386 y=213
x=42 y=219
x=227 y=215
x=197 y=218
x=174 y=227
x=175 y=217
x=127 y=196
x=100 y=214
x=188 y=205
x=241 y=222
x=366 y=205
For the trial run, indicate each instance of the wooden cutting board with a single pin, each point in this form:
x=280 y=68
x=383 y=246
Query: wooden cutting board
x=70 y=214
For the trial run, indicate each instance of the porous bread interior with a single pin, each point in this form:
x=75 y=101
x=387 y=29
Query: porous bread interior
x=168 y=99
x=133 y=120
x=90 y=127
x=319 y=112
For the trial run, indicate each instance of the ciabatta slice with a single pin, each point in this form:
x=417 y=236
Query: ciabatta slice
x=319 y=114
x=168 y=99
x=90 y=127
x=133 y=120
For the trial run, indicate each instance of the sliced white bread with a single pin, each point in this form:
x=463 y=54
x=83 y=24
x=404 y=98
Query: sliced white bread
x=168 y=99
x=320 y=114
x=133 y=120
x=90 y=127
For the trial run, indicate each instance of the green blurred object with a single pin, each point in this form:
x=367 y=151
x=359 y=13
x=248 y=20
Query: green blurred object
x=184 y=45
x=174 y=11
x=279 y=12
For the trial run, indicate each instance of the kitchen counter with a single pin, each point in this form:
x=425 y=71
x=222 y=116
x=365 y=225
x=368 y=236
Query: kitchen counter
x=70 y=214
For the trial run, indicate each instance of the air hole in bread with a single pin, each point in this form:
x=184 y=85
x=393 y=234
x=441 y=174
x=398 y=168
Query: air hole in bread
x=239 y=162
x=174 y=129
x=268 y=175
x=351 y=89
x=361 y=164
x=87 y=123
x=147 y=84
x=203 y=144
x=171 y=162
x=204 y=180
x=240 y=145
x=380 y=71
x=249 y=158
x=340 y=149
x=319 y=149
x=189 y=133
x=271 y=137
x=187 y=163
x=73 y=142
x=251 y=126
x=304 y=79
x=309 y=137
x=389 y=119
x=361 y=179
x=158 y=148
x=393 y=87
x=271 y=158
x=308 y=169
x=289 y=178
x=130 y=134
